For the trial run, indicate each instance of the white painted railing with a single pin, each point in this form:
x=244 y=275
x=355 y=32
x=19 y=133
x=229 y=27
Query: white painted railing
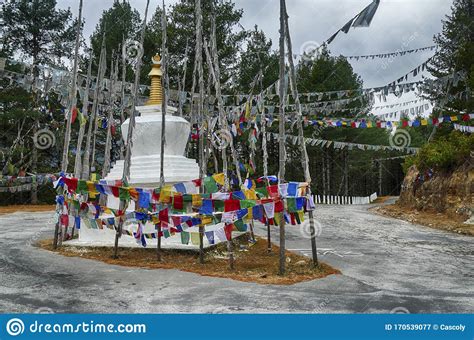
x=329 y=199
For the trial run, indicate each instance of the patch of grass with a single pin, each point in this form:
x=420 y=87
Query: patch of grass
x=253 y=263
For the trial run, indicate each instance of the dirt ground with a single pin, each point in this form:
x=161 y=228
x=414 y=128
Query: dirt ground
x=30 y=208
x=253 y=263
x=427 y=218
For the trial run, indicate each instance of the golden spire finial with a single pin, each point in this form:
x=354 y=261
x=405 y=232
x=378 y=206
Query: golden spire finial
x=156 y=96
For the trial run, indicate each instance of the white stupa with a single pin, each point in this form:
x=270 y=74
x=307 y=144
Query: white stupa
x=146 y=147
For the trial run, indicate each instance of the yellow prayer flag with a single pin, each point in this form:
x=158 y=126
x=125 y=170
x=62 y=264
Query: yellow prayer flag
x=219 y=178
x=454 y=118
x=91 y=187
x=165 y=195
x=249 y=214
x=196 y=200
x=206 y=220
x=250 y=194
x=301 y=216
x=424 y=122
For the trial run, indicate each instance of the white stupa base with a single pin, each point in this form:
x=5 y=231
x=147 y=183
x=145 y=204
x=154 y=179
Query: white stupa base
x=106 y=238
x=145 y=170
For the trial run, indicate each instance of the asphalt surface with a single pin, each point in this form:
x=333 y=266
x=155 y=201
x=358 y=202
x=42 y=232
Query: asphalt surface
x=387 y=266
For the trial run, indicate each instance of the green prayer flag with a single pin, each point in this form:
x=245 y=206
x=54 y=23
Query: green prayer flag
x=247 y=204
x=262 y=192
x=124 y=194
x=219 y=206
x=184 y=237
x=297 y=218
x=240 y=225
x=210 y=185
x=81 y=187
x=291 y=203
x=166 y=233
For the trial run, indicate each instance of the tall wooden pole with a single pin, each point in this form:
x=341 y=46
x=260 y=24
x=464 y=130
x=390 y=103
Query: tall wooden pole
x=200 y=109
x=72 y=93
x=302 y=144
x=164 y=107
x=182 y=85
x=265 y=157
x=82 y=129
x=282 y=150
x=67 y=136
x=128 y=151
x=93 y=115
x=110 y=118
x=213 y=63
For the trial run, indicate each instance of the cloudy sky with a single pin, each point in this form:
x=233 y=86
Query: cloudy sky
x=398 y=25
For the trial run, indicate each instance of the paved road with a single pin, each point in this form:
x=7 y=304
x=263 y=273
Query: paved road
x=387 y=265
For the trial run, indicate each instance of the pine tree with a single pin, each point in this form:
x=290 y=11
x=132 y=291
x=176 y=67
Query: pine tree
x=258 y=55
x=38 y=29
x=119 y=22
x=455 y=52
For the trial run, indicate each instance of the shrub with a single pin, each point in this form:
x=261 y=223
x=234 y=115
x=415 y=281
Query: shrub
x=444 y=153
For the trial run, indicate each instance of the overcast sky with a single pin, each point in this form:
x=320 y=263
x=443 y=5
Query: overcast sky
x=398 y=24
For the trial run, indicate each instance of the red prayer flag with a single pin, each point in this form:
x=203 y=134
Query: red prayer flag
x=231 y=205
x=71 y=183
x=178 y=203
x=115 y=191
x=65 y=220
x=273 y=191
x=228 y=231
x=163 y=217
x=74 y=114
x=279 y=206
x=176 y=220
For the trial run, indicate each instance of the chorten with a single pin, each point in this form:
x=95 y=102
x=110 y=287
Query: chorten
x=145 y=162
